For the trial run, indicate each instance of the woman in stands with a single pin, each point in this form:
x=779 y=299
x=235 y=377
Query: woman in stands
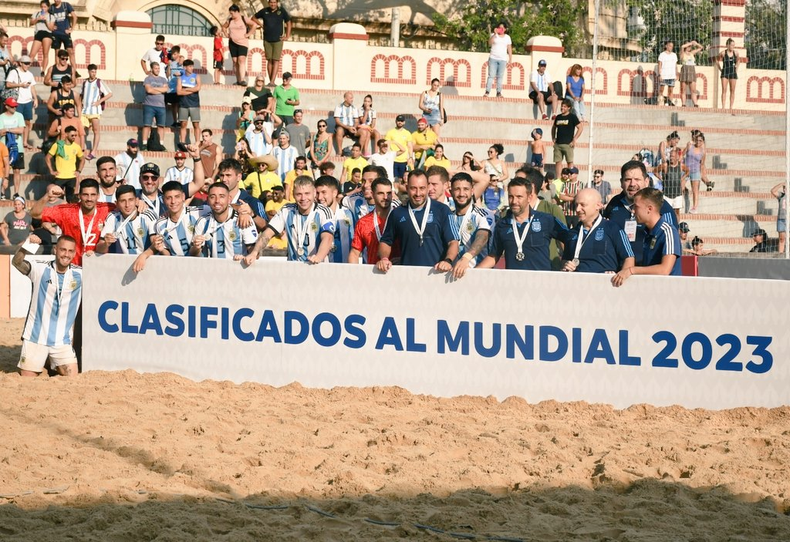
x=318 y=153
x=468 y=162
x=238 y=29
x=665 y=148
x=44 y=22
x=688 y=74
x=728 y=66
x=432 y=107
x=695 y=161
x=367 y=121
x=497 y=171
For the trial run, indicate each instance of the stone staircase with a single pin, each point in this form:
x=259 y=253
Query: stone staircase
x=745 y=151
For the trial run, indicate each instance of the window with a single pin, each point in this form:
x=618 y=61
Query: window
x=178 y=20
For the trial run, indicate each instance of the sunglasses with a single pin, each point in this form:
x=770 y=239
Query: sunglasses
x=258 y=122
x=148 y=176
x=322 y=125
x=159 y=43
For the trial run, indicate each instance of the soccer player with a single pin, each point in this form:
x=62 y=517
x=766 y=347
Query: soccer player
x=423 y=229
x=524 y=234
x=309 y=227
x=633 y=178
x=171 y=234
x=470 y=224
x=597 y=245
x=219 y=235
x=362 y=203
x=661 y=246
x=82 y=221
x=327 y=188
x=370 y=227
x=126 y=231
x=107 y=171
x=57 y=291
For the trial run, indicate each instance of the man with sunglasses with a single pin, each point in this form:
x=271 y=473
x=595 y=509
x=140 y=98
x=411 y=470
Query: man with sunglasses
x=22 y=78
x=602 y=186
x=259 y=137
x=158 y=54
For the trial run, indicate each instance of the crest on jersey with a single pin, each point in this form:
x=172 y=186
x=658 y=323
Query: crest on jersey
x=73 y=285
x=430 y=217
x=536 y=227
x=347 y=221
x=232 y=236
x=191 y=228
x=140 y=232
x=599 y=235
x=470 y=227
x=314 y=226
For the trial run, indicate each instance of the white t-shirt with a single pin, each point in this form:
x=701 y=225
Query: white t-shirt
x=669 y=65
x=541 y=81
x=499 y=47
x=18 y=76
x=386 y=160
x=152 y=55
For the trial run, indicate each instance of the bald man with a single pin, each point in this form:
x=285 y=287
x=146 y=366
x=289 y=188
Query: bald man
x=595 y=245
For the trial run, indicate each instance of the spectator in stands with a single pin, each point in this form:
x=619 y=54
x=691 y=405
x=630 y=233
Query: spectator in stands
x=238 y=29
x=695 y=164
x=500 y=56
x=666 y=146
x=22 y=79
x=179 y=172
x=438 y=158
x=258 y=137
x=6 y=60
x=175 y=69
x=65 y=21
x=5 y=169
x=44 y=23
x=346 y=122
x=469 y=163
x=69 y=118
x=565 y=131
x=673 y=175
x=56 y=73
x=388 y=151
x=318 y=153
x=261 y=96
x=367 y=122
x=106 y=171
x=299 y=133
x=574 y=90
x=404 y=139
x=157 y=55
x=327 y=168
x=431 y=106
x=219 y=235
x=496 y=169
x=63 y=95
x=264 y=177
x=568 y=197
x=285 y=154
x=779 y=192
x=667 y=71
x=761 y=241
x=354 y=184
x=188 y=89
x=243 y=154
x=698 y=248
x=48 y=333
x=661 y=245
x=276 y=202
x=65 y=162
x=210 y=154
x=685 y=242
x=688 y=73
x=95 y=94
x=154 y=107
x=245 y=118
x=542 y=89
x=300 y=168
x=355 y=161
x=16 y=226
x=129 y=163
x=537 y=148
x=12 y=128
x=286 y=96
x=218 y=53
x=728 y=67
x=276 y=30
x=601 y=185
x=423 y=141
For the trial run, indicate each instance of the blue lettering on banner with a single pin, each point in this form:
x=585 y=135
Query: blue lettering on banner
x=693 y=351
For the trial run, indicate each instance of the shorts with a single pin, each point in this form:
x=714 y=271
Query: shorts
x=238 y=50
x=62 y=39
x=67 y=183
x=172 y=98
x=688 y=74
x=399 y=169
x=534 y=96
x=86 y=120
x=34 y=356
x=19 y=163
x=537 y=160
x=186 y=113
x=26 y=110
x=218 y=64
x=667 y=82
x=563 y=151
x=695 y=176
x=676 y=203
x=781 y=225
x=42 y=35
x=273 y=49
x=151 y=113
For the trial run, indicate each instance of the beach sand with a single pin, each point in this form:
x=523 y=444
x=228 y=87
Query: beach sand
x=126 y=456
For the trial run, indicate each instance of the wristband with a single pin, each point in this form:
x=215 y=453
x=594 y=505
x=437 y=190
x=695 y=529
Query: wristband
x=448 y=260
x=467 y=256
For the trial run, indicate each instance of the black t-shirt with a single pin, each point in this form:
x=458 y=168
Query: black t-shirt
x=273 y=23
x=566 y=127
x=260 y=98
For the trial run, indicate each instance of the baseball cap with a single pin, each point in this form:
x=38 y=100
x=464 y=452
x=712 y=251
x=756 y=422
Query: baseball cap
x=287 y=75
x=181 y=154
x=246 y=100
x=24 y=59
x=260 y=117
x=573 y=170
x=759 y=231
x=150 y=167
x=538 y=131
x=422 y=120
x=684 y=227
x=132 y=143
x=11 y=102
x=541 y=62
x=565 y=171
x=400 y=118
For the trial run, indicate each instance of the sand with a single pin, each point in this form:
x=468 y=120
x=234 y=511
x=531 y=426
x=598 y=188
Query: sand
x=125 y=456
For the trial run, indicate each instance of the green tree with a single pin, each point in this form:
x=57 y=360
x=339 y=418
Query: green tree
x=680 y=22
x=766 y=35
x=478 y=18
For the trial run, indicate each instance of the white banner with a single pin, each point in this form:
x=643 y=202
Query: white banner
x=697 y=342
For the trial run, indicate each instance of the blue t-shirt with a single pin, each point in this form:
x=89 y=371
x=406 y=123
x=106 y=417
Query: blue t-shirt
x=619 y=211
x=62 y=16
x=190 y=100
x=176 y=71
x=663 y=239
x=603 y=249
x=543 y=228
x=437 y=235
x=574 y=86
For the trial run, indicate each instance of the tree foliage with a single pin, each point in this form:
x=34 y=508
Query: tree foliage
x=478 y=18
x=766 y=36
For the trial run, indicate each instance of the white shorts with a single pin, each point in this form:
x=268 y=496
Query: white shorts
x=34 y=356
x=676 y=203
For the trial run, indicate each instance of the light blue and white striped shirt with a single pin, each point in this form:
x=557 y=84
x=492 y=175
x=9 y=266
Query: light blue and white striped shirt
x=285 y=158
x=132 y=235
x=466 y=232
x=344 y=234
x=91 y=92
x=177 y=235
x=53 y=304
x=303 y=231
x=225 y=240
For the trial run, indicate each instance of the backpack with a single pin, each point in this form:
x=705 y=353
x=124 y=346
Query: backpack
x=101 y=94
x=6 y=92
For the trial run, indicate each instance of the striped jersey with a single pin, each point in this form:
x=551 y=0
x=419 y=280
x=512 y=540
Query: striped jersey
x=344 y=235
x=348 y=114
x=303 y=231
x=466 y=229
x=285 y=159
x=155 y=205
x=106 y=198
x=225 y=240
x=132 y=235
x=184 y=176
x=53 y=304
x=359 y=206
x=177 y=235
x=92 y=92
x=257 y=140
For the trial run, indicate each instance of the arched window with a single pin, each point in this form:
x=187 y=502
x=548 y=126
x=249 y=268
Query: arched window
x=179 y=20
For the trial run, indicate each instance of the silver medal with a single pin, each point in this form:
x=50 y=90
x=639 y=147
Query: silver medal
x=300 y=251
x=519 y=256
x=575 y=262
